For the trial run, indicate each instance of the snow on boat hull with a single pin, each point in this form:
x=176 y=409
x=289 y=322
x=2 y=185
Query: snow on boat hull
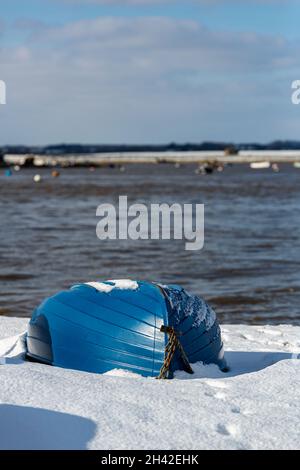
x=100 y=329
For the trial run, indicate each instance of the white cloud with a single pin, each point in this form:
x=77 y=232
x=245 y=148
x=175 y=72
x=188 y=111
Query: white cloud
x=164 y=43
x=144 y=79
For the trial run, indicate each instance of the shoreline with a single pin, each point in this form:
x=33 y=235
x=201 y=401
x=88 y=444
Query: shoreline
x=118 y=158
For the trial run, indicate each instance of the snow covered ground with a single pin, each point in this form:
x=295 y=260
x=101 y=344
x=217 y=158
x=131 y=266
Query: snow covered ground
x=254 y=406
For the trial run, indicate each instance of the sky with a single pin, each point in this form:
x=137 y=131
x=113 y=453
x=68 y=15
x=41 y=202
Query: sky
x=148 y=71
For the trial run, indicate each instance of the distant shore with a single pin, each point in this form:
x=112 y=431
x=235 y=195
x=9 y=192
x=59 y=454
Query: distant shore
x=180 y=157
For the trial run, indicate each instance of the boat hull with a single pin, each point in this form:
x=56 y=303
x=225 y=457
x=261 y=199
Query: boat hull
x=97 y=331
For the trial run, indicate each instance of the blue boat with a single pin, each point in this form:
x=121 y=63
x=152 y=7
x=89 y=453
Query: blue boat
x=100 y=326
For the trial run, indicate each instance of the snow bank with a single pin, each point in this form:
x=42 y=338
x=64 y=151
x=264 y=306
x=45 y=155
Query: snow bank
x=254 y=406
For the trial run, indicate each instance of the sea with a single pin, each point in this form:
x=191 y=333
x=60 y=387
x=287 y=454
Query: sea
x=248 y=269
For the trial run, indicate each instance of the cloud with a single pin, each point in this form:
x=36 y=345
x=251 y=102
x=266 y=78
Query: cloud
x=145 y=79
x=163 y=44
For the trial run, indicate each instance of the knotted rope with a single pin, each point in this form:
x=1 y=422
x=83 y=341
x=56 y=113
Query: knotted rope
x=170 y=350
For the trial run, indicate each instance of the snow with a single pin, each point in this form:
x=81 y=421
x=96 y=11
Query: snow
x=114 y=284
x=101 y=286
x=185 y=304
x=125 y=284
x=254 y=406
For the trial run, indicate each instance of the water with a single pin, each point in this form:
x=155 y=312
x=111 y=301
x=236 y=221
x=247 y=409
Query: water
x=248 y=269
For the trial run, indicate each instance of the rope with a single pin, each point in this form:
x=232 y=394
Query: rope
x=170 y=350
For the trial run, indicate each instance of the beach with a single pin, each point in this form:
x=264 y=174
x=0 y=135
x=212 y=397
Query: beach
x=253 y=406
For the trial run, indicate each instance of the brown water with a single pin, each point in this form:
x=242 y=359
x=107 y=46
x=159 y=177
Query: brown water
x=248 y=269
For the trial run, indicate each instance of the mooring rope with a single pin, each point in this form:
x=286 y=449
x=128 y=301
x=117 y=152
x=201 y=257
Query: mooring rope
x=170 y=350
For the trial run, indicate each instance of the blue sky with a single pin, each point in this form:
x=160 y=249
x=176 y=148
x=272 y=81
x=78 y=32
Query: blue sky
x=148 y=70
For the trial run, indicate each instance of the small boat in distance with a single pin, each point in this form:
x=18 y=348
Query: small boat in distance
x=259 y=165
